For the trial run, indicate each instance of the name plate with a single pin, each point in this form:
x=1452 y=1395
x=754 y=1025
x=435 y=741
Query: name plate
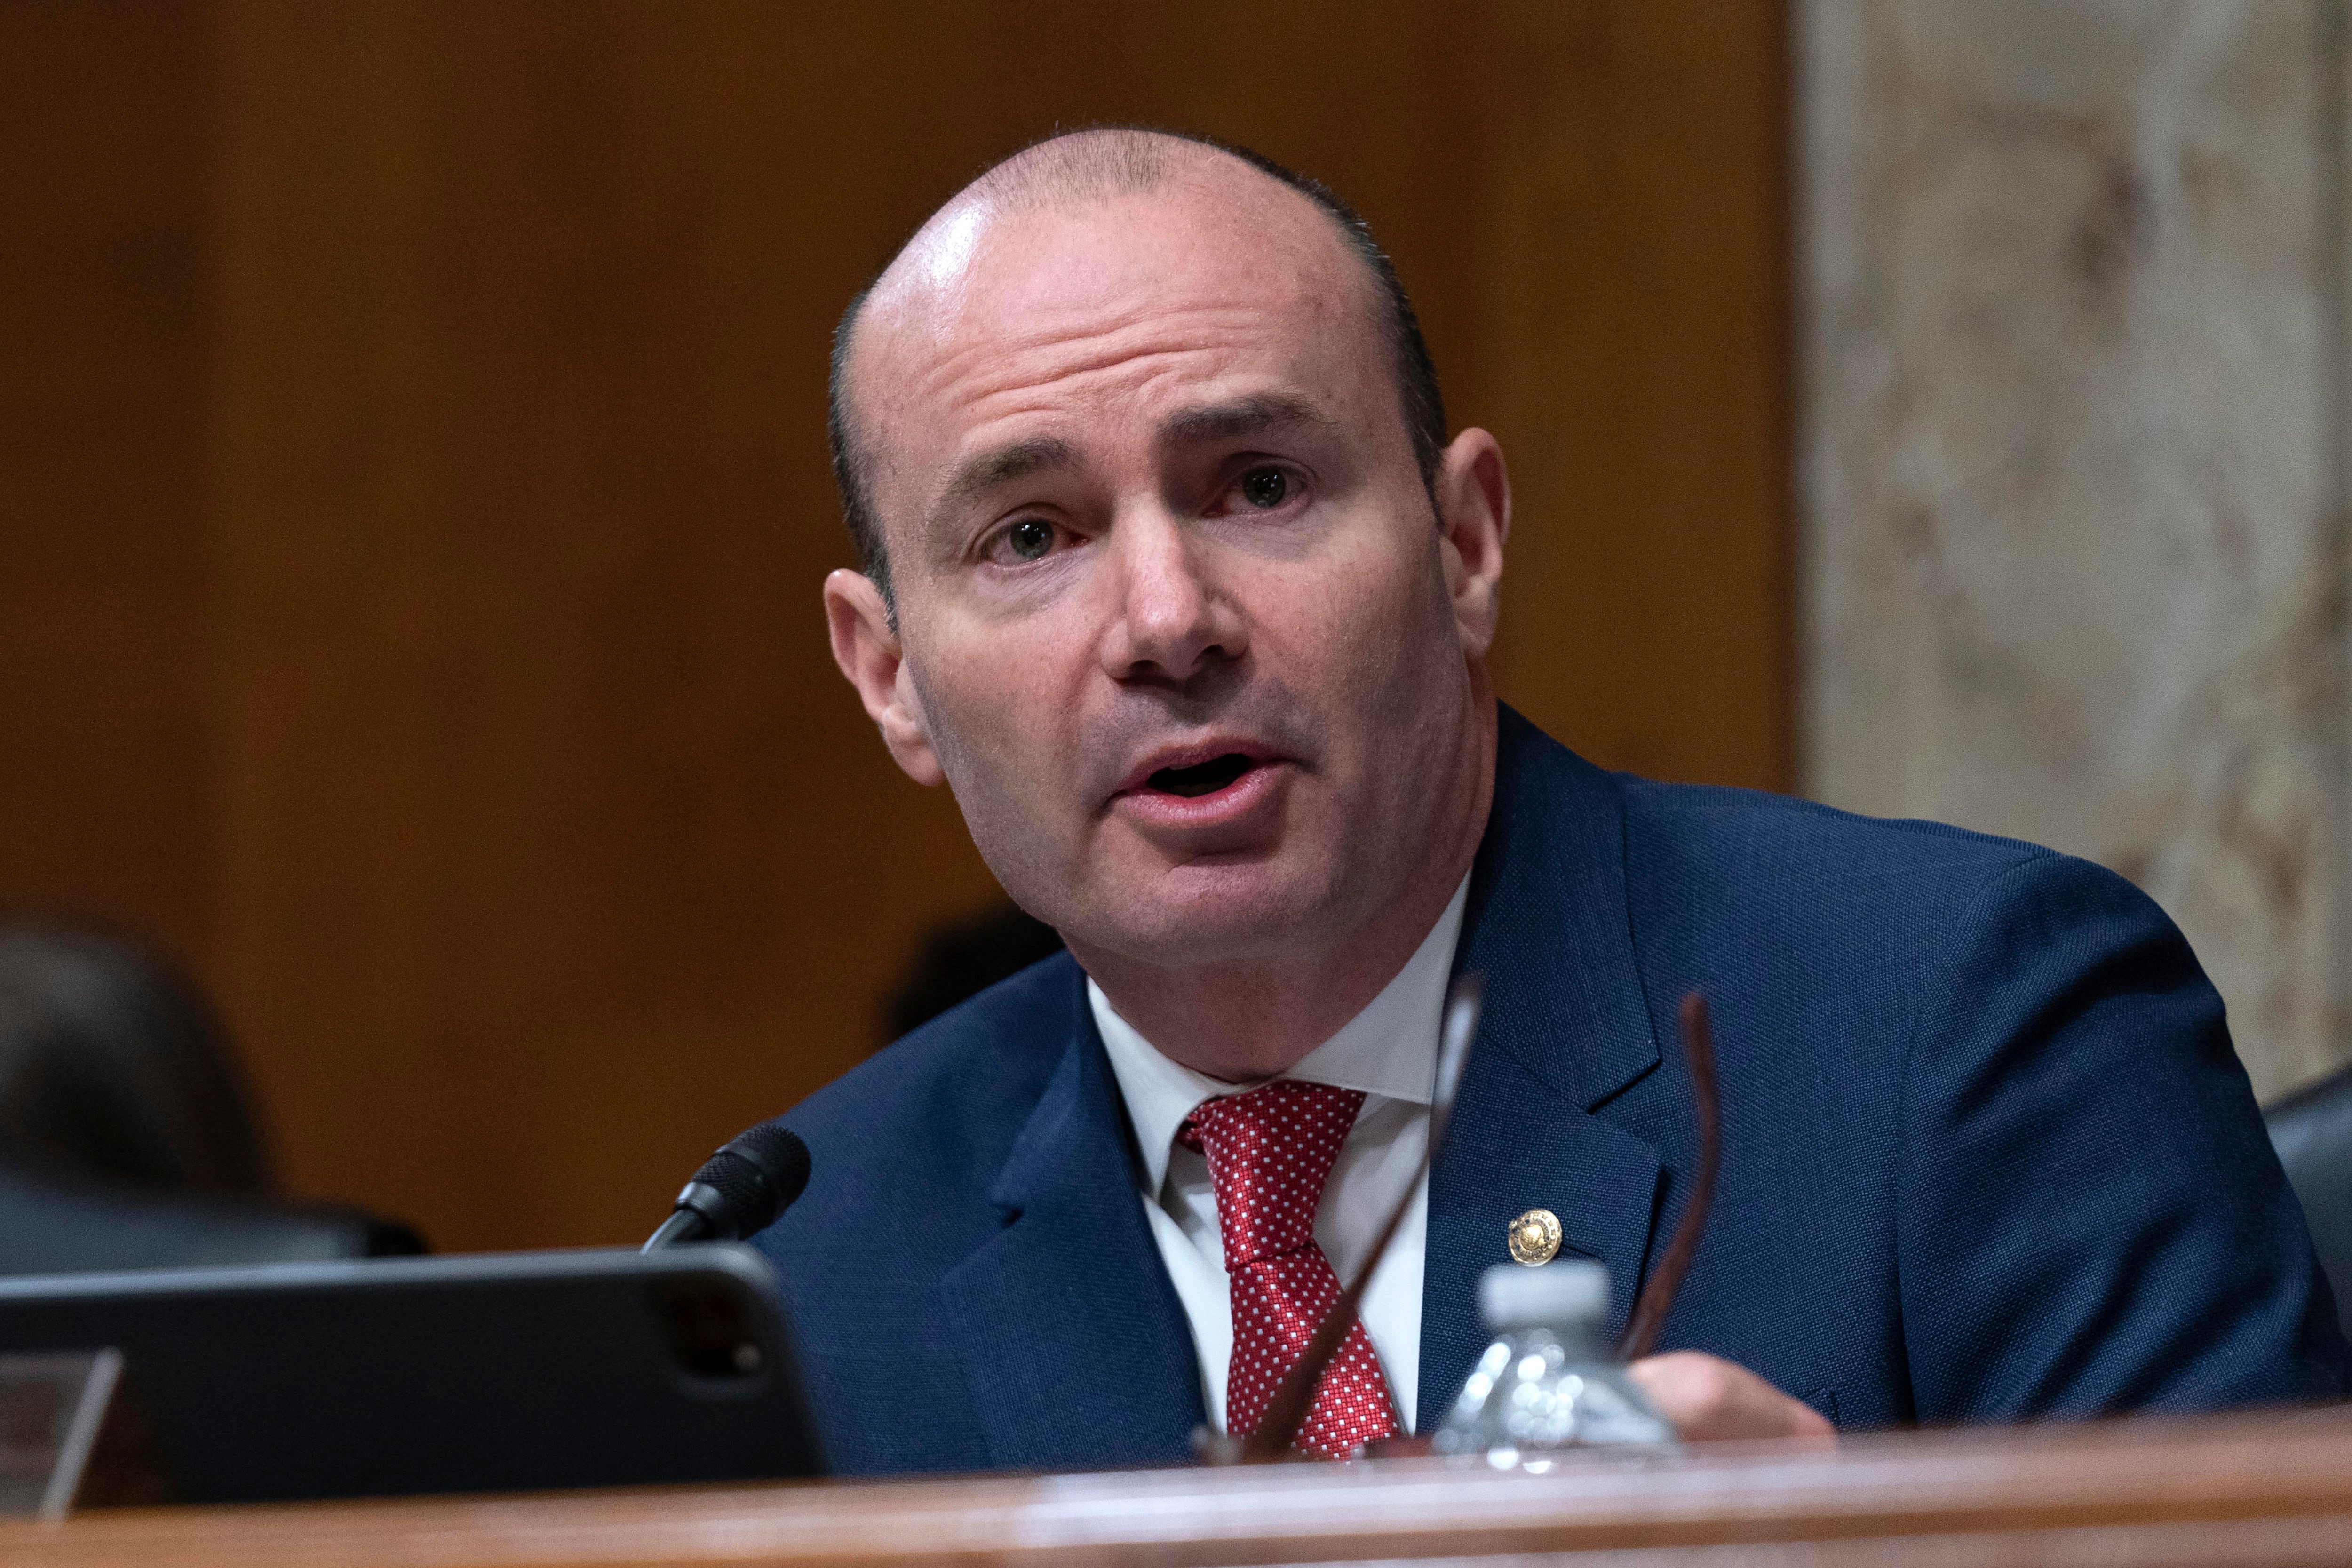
x=52 y=1404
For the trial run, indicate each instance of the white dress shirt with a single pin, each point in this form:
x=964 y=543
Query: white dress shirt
x=1390 y=1052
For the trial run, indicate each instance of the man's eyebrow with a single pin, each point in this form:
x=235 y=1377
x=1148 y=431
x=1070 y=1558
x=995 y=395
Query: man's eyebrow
x=984 y=472
x=1244 y=416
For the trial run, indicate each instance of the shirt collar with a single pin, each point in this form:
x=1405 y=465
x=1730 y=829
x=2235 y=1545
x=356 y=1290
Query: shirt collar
x=1389 y=1049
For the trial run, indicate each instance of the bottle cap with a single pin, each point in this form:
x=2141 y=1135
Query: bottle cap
x=1568 y=1293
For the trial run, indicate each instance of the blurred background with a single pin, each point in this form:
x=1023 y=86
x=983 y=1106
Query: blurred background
x=414 y=497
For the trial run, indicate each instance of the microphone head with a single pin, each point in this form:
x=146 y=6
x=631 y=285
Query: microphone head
x=753 y=1178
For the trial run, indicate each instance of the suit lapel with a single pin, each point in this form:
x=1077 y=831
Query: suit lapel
x=1075 y=1348
x=1565 y=1028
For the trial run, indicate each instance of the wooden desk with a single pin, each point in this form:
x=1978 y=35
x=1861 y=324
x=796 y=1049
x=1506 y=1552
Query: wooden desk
x=2273 y=1490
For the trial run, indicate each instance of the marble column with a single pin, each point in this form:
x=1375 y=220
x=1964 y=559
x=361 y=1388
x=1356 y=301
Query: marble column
x=2071 y=455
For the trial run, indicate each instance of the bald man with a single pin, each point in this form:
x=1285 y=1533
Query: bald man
x=1173 y=572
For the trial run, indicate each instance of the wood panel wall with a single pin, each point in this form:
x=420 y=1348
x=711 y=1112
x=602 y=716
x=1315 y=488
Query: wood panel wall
x=105 y=748
x=413 y=498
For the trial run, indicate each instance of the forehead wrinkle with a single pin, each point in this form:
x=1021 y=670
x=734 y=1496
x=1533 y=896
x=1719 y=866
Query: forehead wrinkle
x=1118 y=391
x=1042 y=355
x=1244 y=416
x=1028 y=313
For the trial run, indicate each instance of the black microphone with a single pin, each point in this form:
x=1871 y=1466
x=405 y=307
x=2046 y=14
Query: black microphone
x=739 y=1191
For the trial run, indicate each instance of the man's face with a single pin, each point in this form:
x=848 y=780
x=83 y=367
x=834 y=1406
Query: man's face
x=1176 y=619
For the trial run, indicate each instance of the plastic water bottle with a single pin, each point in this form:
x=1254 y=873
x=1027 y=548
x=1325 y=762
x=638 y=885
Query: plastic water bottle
x=1548 y=1382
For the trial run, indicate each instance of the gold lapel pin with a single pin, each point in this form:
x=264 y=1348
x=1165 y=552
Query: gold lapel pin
x=1535 y=1237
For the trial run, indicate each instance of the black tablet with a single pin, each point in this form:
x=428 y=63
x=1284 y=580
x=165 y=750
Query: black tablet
x=492 y=1372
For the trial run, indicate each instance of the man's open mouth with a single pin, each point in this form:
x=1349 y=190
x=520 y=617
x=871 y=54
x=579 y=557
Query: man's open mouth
x=1201 y=778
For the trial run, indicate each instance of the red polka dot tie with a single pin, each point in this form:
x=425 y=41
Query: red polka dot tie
x=1269 y=1152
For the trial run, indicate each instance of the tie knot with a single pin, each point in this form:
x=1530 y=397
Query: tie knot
x=1269 y=1152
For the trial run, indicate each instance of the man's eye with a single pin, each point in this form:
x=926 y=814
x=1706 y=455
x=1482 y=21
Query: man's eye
x=1030 y=539
x=1265 y=487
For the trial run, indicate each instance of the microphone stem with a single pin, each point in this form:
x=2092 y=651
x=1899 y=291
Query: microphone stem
x=683 y=1225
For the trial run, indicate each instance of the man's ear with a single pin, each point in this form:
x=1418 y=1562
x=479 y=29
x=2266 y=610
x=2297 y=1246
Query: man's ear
x=1474 y=521
x=866 y=646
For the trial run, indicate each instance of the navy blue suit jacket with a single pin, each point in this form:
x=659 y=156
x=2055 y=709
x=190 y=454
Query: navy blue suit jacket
x=1988 y=1153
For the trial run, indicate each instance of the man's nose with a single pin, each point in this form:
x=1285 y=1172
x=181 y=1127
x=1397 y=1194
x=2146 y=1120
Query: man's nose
x=1173 y=618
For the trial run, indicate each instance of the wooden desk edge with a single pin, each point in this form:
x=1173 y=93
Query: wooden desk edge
x=2279 y=1485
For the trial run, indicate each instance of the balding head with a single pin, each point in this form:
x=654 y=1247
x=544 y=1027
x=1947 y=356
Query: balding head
x=1078 y=166
x=1082 y=168
x=1191 y=608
